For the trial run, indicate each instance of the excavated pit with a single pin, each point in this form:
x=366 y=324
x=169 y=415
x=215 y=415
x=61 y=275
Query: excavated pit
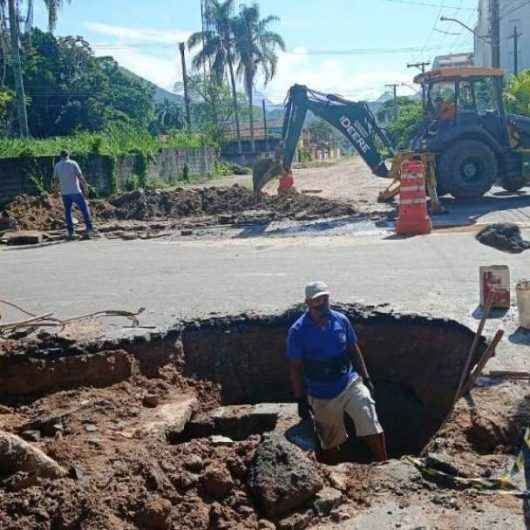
x=414 y=361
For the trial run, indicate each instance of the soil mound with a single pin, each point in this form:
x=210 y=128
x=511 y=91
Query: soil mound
x=45 y=212
x=503 y=236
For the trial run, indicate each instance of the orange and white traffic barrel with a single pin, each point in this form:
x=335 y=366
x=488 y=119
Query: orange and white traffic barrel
x=413 y=216
x=286 y=182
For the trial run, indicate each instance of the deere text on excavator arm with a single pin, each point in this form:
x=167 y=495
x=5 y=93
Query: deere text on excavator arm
x=353 y=119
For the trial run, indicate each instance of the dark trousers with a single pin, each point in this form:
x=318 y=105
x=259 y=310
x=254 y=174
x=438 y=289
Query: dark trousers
x=80 y=201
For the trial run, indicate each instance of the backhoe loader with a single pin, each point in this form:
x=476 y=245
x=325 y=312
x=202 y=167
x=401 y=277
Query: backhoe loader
x=466 y=140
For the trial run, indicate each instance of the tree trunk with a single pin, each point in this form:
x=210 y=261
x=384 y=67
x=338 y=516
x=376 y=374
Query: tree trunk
x=236 y=104
x=17 y=71
x=251 y=106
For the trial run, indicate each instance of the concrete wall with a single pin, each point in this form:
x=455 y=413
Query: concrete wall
x=18 y=175
x=27 y=175
x=264 y=148
x=171 y=163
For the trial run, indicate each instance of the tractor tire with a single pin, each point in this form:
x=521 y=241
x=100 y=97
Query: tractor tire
x=467 y=169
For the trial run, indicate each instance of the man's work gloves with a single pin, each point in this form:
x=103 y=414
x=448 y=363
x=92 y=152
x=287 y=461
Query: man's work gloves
x=368 y=384
x=304 y=408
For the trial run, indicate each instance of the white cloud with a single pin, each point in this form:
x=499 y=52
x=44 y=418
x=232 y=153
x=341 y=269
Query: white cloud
x=140 y=35
x=149 y=53
x=161 y=71
x=333 y=75
x=152 y=54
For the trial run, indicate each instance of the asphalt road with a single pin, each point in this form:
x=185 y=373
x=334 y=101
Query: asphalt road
x=435 y=274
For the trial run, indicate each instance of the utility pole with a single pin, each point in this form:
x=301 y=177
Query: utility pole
x=422 y=67
x=515 y=36
x=265 y=131
x=203 y=31
x=495 y=34
x=394 y=86
x=185 y=80
x=16 y=64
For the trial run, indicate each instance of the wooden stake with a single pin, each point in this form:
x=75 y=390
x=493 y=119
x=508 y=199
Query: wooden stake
x=487 y=309
x=486 y=356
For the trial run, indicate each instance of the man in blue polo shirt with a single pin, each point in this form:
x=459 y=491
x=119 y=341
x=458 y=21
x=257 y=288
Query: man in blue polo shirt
x=329 y=376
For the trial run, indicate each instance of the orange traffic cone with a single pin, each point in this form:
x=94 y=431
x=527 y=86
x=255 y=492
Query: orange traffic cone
x=413 y=216
x=286 y=182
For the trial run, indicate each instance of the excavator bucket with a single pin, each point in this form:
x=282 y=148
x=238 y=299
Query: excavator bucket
x=390 y=192
x=429 y=160
x=264 y=171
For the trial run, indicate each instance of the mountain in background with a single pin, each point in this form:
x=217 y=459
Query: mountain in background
x=274 y=111
x=259 y=98
x=160 y=94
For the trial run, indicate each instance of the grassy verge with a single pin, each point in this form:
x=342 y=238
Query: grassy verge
x=114 y=142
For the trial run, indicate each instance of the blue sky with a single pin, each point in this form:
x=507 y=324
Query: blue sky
x=142 y=36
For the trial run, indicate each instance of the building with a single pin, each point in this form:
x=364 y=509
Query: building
x=454 y=60
x=513 y=14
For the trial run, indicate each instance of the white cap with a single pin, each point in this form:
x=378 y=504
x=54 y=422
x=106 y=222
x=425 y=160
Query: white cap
x=315 y=289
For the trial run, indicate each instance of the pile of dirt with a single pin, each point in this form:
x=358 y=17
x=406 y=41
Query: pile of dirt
x=118 y=482
x=503 y=236
x=45 y=212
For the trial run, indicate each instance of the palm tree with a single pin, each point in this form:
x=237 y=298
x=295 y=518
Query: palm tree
x=168 y=115
x=218 y=48
x=52 y=6
x=17 y=70
x=256 y=47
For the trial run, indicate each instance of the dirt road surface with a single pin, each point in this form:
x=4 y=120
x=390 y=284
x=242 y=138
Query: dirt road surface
x=349 y=180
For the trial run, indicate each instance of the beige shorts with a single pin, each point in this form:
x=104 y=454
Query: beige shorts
x=357 y=401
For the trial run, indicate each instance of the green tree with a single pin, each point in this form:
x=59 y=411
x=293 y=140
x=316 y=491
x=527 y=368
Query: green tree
x=17 y=69
x=387 y=111
x=13 y=16
x=212 y=107
x=52 y=7
x=69 y=89
x=6 y=101
x=407 y=125
x=322 y=132
x=218 y=48
x=256 y=49
x=168 y=116
x=517 y=94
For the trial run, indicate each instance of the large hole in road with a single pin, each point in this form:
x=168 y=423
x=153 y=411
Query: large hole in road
x=415 y=363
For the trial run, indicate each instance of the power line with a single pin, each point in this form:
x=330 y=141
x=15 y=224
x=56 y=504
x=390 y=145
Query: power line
x=449 y=40
x=360 y=51
x=527 y=2
x=448 y=33
x=507 y=5
x=421 y=54
x=354 y=51
x=428 y=4
x=464 y=36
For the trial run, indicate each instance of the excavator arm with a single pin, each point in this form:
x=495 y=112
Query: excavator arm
x=353 y=119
